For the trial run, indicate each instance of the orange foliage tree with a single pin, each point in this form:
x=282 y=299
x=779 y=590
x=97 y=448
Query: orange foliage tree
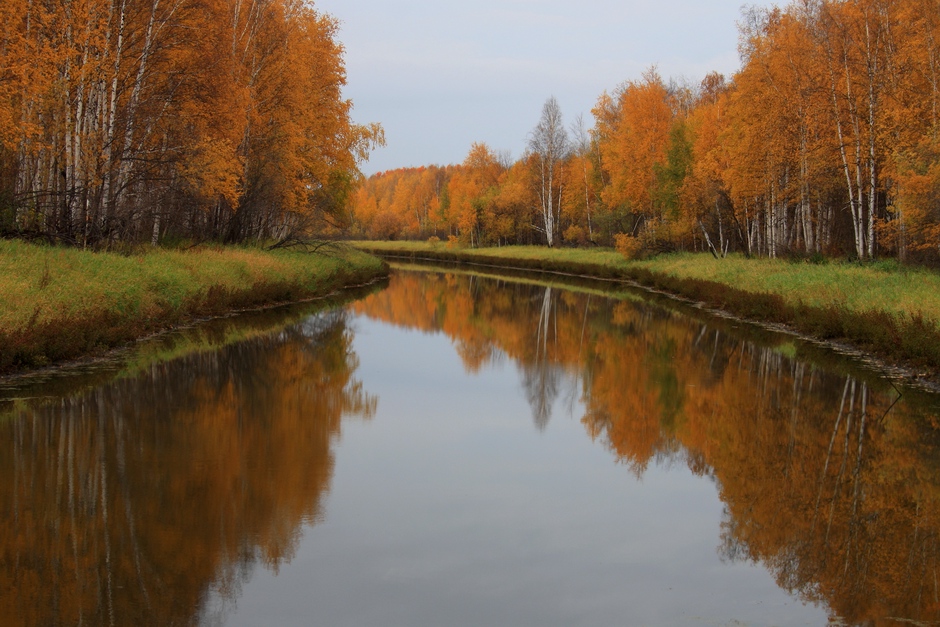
x=633 y=135
x=825 y=142
x=117 y=124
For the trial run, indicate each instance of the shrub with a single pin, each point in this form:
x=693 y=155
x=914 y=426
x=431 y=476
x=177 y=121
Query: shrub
x=627 y=245
x=575 y=234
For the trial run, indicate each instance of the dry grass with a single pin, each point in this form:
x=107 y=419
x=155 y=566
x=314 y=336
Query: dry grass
x=58 y=303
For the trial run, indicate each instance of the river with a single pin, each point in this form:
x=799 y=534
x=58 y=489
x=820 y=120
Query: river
x=462 y=449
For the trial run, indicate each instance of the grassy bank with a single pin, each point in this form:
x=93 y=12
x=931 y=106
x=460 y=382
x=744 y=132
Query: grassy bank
x=888 y=310
x=40 y=388
x=60 y=303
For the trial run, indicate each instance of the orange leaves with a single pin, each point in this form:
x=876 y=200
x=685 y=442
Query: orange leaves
x=213 y=169
x=633 y=131
x=709 y=162
x=297 y=127
x=913 y=122
x=410 y=202
x=125 y=125
x=478 y=201
x=916 y=228
x=824 y=143
x=823 y=115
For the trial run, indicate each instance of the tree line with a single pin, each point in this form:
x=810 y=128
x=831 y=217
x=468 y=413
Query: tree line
x=154 y=120
x=825 y=142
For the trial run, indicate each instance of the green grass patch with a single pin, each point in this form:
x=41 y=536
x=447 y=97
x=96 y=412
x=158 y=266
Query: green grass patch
x=61 y=303
x=900 y=291
x=884 y=308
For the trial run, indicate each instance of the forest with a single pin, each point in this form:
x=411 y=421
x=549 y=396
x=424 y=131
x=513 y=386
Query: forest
x=166 y=120
x=824 y=144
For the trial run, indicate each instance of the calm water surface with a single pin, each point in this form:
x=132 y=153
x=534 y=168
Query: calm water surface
x=464 y=450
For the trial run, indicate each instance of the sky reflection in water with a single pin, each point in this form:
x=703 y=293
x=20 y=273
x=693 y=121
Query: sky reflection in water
x=452 y=507
x=456 y=450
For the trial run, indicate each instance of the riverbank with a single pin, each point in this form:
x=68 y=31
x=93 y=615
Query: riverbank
x=60 y=303
x=887 y=310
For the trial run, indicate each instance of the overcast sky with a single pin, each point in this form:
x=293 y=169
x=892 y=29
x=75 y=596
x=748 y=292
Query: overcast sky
x=440 y=75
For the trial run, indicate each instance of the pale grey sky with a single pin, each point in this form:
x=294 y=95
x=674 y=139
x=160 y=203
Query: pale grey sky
x=440 y=75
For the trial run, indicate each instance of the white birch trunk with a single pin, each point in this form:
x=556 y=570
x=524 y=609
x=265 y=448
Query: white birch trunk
x=837 y=115
x=130 y=126
x=111 y=121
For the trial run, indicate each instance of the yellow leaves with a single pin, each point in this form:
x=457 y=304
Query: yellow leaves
x=483 y=166
x=364 y=138
x=628 y=245
x=420 y=202
x=464 y=189
x=806 y=150
x=634 y=132
x=213 y=169
x=917 y=200
x=706 y=123
x=123 y=94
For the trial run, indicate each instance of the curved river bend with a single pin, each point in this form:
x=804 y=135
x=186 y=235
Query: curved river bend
x=458 y=449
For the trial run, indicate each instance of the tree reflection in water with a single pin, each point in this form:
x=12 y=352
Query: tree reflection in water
x=130 y=504
x=839 y=499
x=140 y=501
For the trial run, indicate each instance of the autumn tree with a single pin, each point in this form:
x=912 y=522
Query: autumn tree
x=823 y=143
x=582 y=198
x=117 y=124
x=632 y=130
x=471 y=191
x=769 y=133
x=913 y=123
x=858 y=46
x=704 y=197
x=549 y=144
x=514 y=207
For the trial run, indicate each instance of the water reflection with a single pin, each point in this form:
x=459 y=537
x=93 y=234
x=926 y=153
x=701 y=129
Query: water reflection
x=831 y=492
x=145 y=500
x=131 y=504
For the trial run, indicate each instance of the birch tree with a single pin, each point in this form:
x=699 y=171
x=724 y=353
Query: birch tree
x=548 y=142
